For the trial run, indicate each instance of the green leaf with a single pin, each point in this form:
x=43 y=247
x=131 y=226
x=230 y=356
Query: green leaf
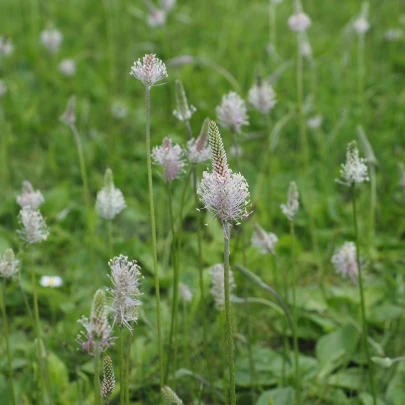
x=278 y=396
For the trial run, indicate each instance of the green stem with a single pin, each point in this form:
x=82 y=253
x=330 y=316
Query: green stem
x=373 y=205
x=363 y=305
x=97 y=386
x=6 y=335
x=110 y=237
x=223 y=356
x=122 y=367
x=189 y=130
x=273 y=26
x=172 y=339
x=37 y=333
x=295 y=317
x=153 y=230
x=360 y=73
x=127 y=368
x=228 y=315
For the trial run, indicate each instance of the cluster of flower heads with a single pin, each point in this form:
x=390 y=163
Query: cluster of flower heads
x=150 y=70
x=291 y=207
x=354 y=170
x=232 y=112
x=125 y=277
x=97 y=334
x=345 y=261
x=170 y=158
x=110 y=200
x=264 y=241
x=262 y=96
x=9 y=264
x=224 y=194
x=218 y=285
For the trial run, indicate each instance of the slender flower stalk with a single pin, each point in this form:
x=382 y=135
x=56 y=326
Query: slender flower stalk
x=150 y=71
x=9 y=267
x=289 y=210
x=226 y=196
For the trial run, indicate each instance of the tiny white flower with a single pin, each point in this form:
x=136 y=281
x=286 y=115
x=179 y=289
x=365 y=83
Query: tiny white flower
x=170 y=158
x=67 y=67
x=355 y=169
x=30 y=197
x=299 y=22
x=232 y=112
x=119 y=110
x=51 y=281
x=185 y=292
x=9 y=264
x=33 y=226
x=3 y=88
x=110 y=200
x=262 y=97
x=6 y=46
x=150 y=71
x=218 y=285
x=344 y=261
x=315 y=122
x=361 y=25
x=51 y=39
x=292 y=206
x=264 y=241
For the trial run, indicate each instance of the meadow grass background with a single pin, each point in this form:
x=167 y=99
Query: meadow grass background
x=105 y=38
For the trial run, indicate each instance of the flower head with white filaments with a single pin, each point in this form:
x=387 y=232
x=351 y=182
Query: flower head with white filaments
x=264 y=241
x=344 y=261
x=218 y=285
x=51 y=39
x=150 y=71
x=29 y=196
x=125 y=277
x=291 y=207
x=67 y=67
x=33 y=226
x=360 y=24
x=197 y=149
x=225 y=194
x=354 y=171
x=170 y=158
x=299 y=22
x=184 y=111
x=262 y=96
x=156 y=16
x=110 y=200
x=97 y=331
x=232 y=112
x=9 y=264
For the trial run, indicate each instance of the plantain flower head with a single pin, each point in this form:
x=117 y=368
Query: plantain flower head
x=218 y=285
x=6 y=46
x=291 y=207
x=67 y=67
x=185 y=292
x=232 y=112
x=354 y=171
x=171 y=398
x=262 y=96
x=184 y=111
x=30 y=197
x=150 y=71
x=125 y=277
x=264 y=241
x=33 y=226
x=108 y=378
x=170 y=158
x=361 y=24
x=110 y=200
x=344 y=261
x=224 y=194
x=51 y=39
x=197 y=149
x=9 y=264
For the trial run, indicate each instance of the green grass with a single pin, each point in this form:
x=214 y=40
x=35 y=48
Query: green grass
x=232 y=34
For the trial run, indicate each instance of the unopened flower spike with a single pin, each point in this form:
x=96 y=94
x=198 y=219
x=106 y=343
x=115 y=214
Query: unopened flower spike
x=33 y=226
x=184 y=111
x=224 y=194
x=29 y=196
x=291 y=207
x=262 y=96
x=69 y=115
x=354 y=171
x=171 y=398
x=9 y=264
x=125 y=277
x=150 y=71
x=108 y=379
x=232 y=112
x=97 y=331
x=218 y=285
x=198 y=150
x=110 y=200
x=170 y=158
x=264 y=241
